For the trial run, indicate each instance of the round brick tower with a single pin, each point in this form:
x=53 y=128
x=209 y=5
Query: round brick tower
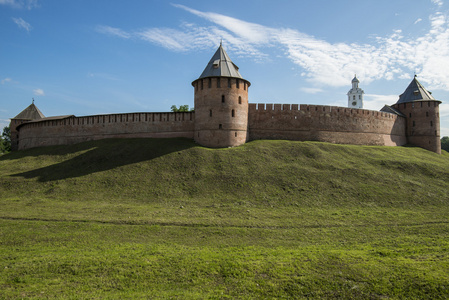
x=221 y=104
x=423 y=116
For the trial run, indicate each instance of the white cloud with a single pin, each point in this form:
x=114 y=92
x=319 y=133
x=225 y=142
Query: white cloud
x=5 y=80
x=311 y=90
x=417 y=21
x=38 y=92
x=22 y=24
x=113 y=31
x=27 y=4
x=444 y=110
x=437 y=2
x=324 y=63
x=376 y=102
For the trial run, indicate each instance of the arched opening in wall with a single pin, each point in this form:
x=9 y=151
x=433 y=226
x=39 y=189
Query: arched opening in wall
x=233 y=113
x=427 y=113
x=431 y=123
x=236 y=134
x=237 y=83
x=229 y=82
x=410 y=115
x=210 y=82
x=220 y=126
x=353 y=97
x=222 y=99
x=210 y=113
x=202 y=84
x=240 y=99
x=414 y=124
x=428 y=104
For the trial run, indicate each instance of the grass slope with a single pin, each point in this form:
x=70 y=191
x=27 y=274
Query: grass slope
x=165 y=218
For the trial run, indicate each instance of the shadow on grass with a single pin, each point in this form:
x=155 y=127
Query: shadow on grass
x=97 y=156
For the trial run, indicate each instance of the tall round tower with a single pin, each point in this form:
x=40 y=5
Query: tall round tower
x=423 y=116
x=221 y=104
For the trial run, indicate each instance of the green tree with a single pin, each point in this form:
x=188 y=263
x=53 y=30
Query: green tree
x=5 y=145
x=445 y=143
x=182 y=108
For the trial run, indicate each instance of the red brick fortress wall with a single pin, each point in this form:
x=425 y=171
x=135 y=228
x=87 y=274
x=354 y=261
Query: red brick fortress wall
x=332 y=124
x=131 y=125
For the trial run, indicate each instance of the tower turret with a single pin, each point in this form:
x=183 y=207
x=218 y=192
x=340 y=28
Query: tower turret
x=28 y=114
x=423 y=116
x=355 y=95
x=221 y=103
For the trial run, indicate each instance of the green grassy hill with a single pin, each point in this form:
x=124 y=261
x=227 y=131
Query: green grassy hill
x=165 y=218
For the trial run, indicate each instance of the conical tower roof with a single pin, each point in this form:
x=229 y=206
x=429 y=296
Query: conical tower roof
x=30 y=113
x=415 y=92
x=220 y=65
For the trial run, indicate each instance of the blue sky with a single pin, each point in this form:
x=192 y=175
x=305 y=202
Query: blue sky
x=97 y=57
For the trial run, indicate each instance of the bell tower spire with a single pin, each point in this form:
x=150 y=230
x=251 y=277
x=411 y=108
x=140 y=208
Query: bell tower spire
x=355 y=95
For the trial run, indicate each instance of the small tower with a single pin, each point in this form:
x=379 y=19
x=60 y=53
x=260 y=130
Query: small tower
x=423 y=116
x=355 y=95
x=28 y=114
x=221 y=104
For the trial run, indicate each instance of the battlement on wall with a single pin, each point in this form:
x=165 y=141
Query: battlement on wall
x=113 y=118
x=70 y=129
x=325 y=123
x=312 y=110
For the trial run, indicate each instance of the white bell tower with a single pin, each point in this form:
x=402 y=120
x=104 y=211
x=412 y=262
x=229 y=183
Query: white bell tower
x=355 y=95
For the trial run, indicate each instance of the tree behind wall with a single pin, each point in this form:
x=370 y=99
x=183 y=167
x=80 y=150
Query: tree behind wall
x=182 y=108
x=5 y=142
x=445 y=143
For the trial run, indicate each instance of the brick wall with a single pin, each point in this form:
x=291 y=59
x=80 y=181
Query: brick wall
x=325 y=123
x=131 y=125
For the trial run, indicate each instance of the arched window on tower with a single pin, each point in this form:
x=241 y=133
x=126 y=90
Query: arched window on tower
x=240 y=99
x=233 y=113
x=222 y=99
x=353 y=97
x=210 y=113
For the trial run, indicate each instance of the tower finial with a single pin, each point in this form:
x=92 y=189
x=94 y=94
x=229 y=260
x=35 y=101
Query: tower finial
x=221 y=42
x=33 y=100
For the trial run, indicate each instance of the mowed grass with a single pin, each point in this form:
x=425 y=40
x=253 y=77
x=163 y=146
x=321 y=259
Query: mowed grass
x=166 y=218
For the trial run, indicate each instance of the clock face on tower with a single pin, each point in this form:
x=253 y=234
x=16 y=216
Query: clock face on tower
x=354 y=103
